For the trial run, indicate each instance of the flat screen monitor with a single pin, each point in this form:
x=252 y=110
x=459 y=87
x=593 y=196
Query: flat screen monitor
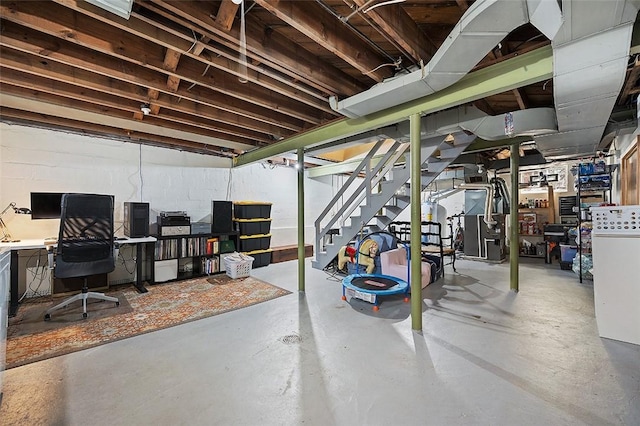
x=46 y=205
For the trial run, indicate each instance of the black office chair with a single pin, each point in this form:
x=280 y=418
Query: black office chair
x=85 y=246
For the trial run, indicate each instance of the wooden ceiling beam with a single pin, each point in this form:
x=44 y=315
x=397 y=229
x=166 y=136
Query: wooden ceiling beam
x=631 y=83
x=118 y=112
x=484 y=106
x=265 y=47
x=82 y=30
x=171 y=59
x=463 y=5
x=393 y=21
x=200 y=45
x=328 y=31
x=521 y=98
x=148 y=75
x=226 y=14
x=153 y=96
x=108 y=106
x=113 y=132
x=196 y=101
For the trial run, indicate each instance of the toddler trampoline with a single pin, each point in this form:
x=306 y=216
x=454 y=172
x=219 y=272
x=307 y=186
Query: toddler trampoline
x=370 y=287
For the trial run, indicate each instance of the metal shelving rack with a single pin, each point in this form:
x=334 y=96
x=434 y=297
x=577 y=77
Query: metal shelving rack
x=596 y=184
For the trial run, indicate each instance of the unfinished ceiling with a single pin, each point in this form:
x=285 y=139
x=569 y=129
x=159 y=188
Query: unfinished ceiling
x=172 y=74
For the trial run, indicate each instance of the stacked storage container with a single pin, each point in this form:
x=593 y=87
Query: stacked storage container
x=252 y=220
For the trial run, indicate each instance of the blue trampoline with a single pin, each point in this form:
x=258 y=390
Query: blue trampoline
x=369 y=287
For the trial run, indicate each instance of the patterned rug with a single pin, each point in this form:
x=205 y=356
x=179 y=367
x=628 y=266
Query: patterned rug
x=31 y=339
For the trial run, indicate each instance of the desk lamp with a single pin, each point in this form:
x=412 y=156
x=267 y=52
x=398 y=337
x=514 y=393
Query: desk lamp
x=6 y=235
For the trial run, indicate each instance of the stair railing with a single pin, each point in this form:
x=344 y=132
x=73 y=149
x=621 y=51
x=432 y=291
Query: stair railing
x=364 y=190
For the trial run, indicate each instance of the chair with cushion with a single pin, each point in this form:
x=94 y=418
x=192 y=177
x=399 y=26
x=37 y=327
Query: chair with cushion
x=395 y=263
x=85 y=245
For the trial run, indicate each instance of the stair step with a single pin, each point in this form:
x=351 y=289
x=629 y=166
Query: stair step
x=384 y=220
x=391 y=197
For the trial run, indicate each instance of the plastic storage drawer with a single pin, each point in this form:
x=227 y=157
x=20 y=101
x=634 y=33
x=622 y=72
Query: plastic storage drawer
x=251 y=210
x=254 y=242
x=261 y=257
x=253 y=226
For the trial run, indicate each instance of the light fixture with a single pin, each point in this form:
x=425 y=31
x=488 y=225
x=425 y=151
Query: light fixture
x=6 y=235
x=145 y=108
x=481 y=168
x=121 y=8
x=236 y=1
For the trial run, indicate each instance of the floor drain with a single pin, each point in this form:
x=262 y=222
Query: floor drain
x=291 y=339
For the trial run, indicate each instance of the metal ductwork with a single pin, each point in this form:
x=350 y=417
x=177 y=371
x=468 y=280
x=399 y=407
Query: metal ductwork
x=485 y=24
x=590 y=54
x=590 y=40
x=466 y=119
x=534 y=121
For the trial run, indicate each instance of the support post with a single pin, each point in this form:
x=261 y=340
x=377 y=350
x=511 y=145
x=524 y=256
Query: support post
x=513 y=219
x=416 y=260
x=301 y=258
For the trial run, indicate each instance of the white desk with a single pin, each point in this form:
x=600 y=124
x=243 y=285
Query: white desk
x=15 y=247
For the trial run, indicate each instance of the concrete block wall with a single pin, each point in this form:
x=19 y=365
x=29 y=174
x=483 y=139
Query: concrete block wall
x=39 y=160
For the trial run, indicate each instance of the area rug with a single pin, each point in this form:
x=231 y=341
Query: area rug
x=31 y=339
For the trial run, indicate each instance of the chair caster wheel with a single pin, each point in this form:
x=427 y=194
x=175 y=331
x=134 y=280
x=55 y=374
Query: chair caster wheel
x=376 y=308
x=47 y=317
x=84 y=315
x=117 y=303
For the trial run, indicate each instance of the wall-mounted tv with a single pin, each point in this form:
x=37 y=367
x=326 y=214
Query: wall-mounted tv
x=46 y=205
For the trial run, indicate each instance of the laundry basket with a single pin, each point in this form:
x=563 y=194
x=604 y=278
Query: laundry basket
x=238 y=265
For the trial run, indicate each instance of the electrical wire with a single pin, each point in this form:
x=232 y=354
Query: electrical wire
x=355 y=30
x=384 y=3
x=229 y=184
x=195 y=41
x=395 y=64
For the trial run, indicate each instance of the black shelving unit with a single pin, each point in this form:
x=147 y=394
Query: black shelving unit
x=194 y=255
x=591 y=182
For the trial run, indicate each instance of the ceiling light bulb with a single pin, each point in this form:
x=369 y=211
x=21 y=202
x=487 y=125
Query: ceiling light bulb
x=146 y=109
x=236 y=1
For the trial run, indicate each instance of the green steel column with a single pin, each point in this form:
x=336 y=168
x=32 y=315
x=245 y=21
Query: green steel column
x=300 y=219
x=416 y=261
x=514 y=251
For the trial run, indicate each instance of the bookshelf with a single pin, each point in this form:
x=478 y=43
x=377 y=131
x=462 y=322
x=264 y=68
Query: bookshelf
x=189 y=256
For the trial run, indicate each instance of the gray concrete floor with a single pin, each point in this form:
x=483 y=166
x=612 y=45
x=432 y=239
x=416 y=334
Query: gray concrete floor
x=486 y=356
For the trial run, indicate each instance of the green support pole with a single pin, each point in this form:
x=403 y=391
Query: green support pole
x=300 y=219
x=416 y=260
x=513 y=218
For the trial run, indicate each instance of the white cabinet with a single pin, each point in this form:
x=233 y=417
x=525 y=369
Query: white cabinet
x=5 y=263
x=616 y=267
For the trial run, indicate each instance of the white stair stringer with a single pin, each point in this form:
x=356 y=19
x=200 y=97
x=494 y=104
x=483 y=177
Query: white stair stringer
x=381 y=208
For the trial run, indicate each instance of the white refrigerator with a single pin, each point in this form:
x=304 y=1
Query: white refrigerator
x=616 y=271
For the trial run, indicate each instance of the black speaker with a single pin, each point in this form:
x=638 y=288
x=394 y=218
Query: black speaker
x=221 y=217
x=136 y=219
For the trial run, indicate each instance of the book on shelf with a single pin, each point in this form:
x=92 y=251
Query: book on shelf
x=213 y=246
